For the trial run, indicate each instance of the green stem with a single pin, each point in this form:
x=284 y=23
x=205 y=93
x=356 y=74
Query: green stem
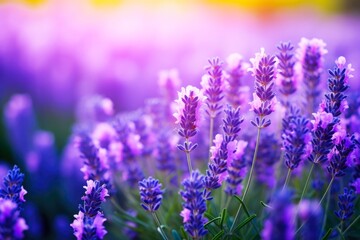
x=353 y=222
x=287 y=179
x=188 y=157
x=325 y=213
x=326 y=191
x=159 y=225
x=211 y=133
x=250 y=177
x=307 y=182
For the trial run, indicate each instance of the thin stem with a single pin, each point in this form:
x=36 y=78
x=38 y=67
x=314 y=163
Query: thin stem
x=307 y=182
x=228 y=201
x=250 y=177
x=188 y=157
x=325 y=212
x=326 y=191
x=351 y=224
x=211 y=133
x=287 y=179
x=159 y=225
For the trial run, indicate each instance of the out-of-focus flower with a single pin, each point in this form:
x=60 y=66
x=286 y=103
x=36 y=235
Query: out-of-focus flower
x=235 y=91
x=281 y=221
x=310 y=215
x=346 y=205
x=12 y=226
x=169 y=81
x=212 y=85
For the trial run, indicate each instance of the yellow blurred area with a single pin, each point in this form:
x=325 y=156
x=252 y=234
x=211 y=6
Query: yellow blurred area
x=250 y=5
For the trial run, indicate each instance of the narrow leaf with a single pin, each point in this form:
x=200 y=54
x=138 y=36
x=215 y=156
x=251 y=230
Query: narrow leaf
x=223 y=216
x=327 y=234
x=175 y=235
x=211 y=221
x=219 y=235
x=246 y=221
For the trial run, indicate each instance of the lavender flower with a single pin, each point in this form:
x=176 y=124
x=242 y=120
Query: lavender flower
x=264 y=97
x=164 y=153
x=310 y=213
x=339 y=155
x=322 y=133
x=280 y=223
x=212 y=84
x=12 y=225
x=235 y=70
x=194 y=205
x=88 y=223
x=337 y=84
x=286 y=78
x=150 y=194
x=268 y=155
x=310 y=54
x=95 y=160
x=168 y=82
x=12 y=188
x=237 y=167
x=218 y=164
x=295 y=138
x=346 y=205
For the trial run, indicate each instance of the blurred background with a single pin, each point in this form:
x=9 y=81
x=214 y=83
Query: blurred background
x=62 y=51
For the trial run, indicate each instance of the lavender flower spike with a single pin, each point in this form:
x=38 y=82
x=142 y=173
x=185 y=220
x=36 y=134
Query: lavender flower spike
x=88 y=223
x=194 y=205
x=286 y=76
x=212 y=83
x=11 y=225
x=264 y=97
x=12 y=188
x=310 y=54
x=188 y=116
x=150 y=194
x=346 y=205
x=310 y=213
x=281 y=222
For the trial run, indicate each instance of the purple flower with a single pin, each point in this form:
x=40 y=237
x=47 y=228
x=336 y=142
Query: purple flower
x=96 y=165
x=212 y=84
x=346 y=205
x=236 y=167
x=281 y=221
x=235 y=92
x=356 y=185
x=264 y=97
x=310 y=54
x=151 y=194
x=232 y=122
x=310 y=213
x=268 y=155
x=295 y=138
x=12 y=188
x=12 y=225
x=194 y=205
x=287 y=78
x=168 y=82
x=339 y=155
x=165 y=154
x=88 y=223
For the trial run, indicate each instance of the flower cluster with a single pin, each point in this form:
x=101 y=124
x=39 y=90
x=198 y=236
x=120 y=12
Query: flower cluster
x=150 y=194
x=264 y=97
x=88 y=223
x=346 y=205
x=194 y=205
x=12 y=194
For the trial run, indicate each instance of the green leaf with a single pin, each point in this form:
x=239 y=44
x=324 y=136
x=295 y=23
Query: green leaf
x=243 y=223
x=211 y=221
x=327 y=234
x=223 y=216
x=218 y=236
x=175 y=234
x=208 y=215
x=183 y=233
x=243 y=204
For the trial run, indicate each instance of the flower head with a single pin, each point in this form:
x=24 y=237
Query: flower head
x=346 y=205
x=12 y=225
x=150 y=194
x=310 y=213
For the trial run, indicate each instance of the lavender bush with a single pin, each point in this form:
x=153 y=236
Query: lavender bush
x=223 y=166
